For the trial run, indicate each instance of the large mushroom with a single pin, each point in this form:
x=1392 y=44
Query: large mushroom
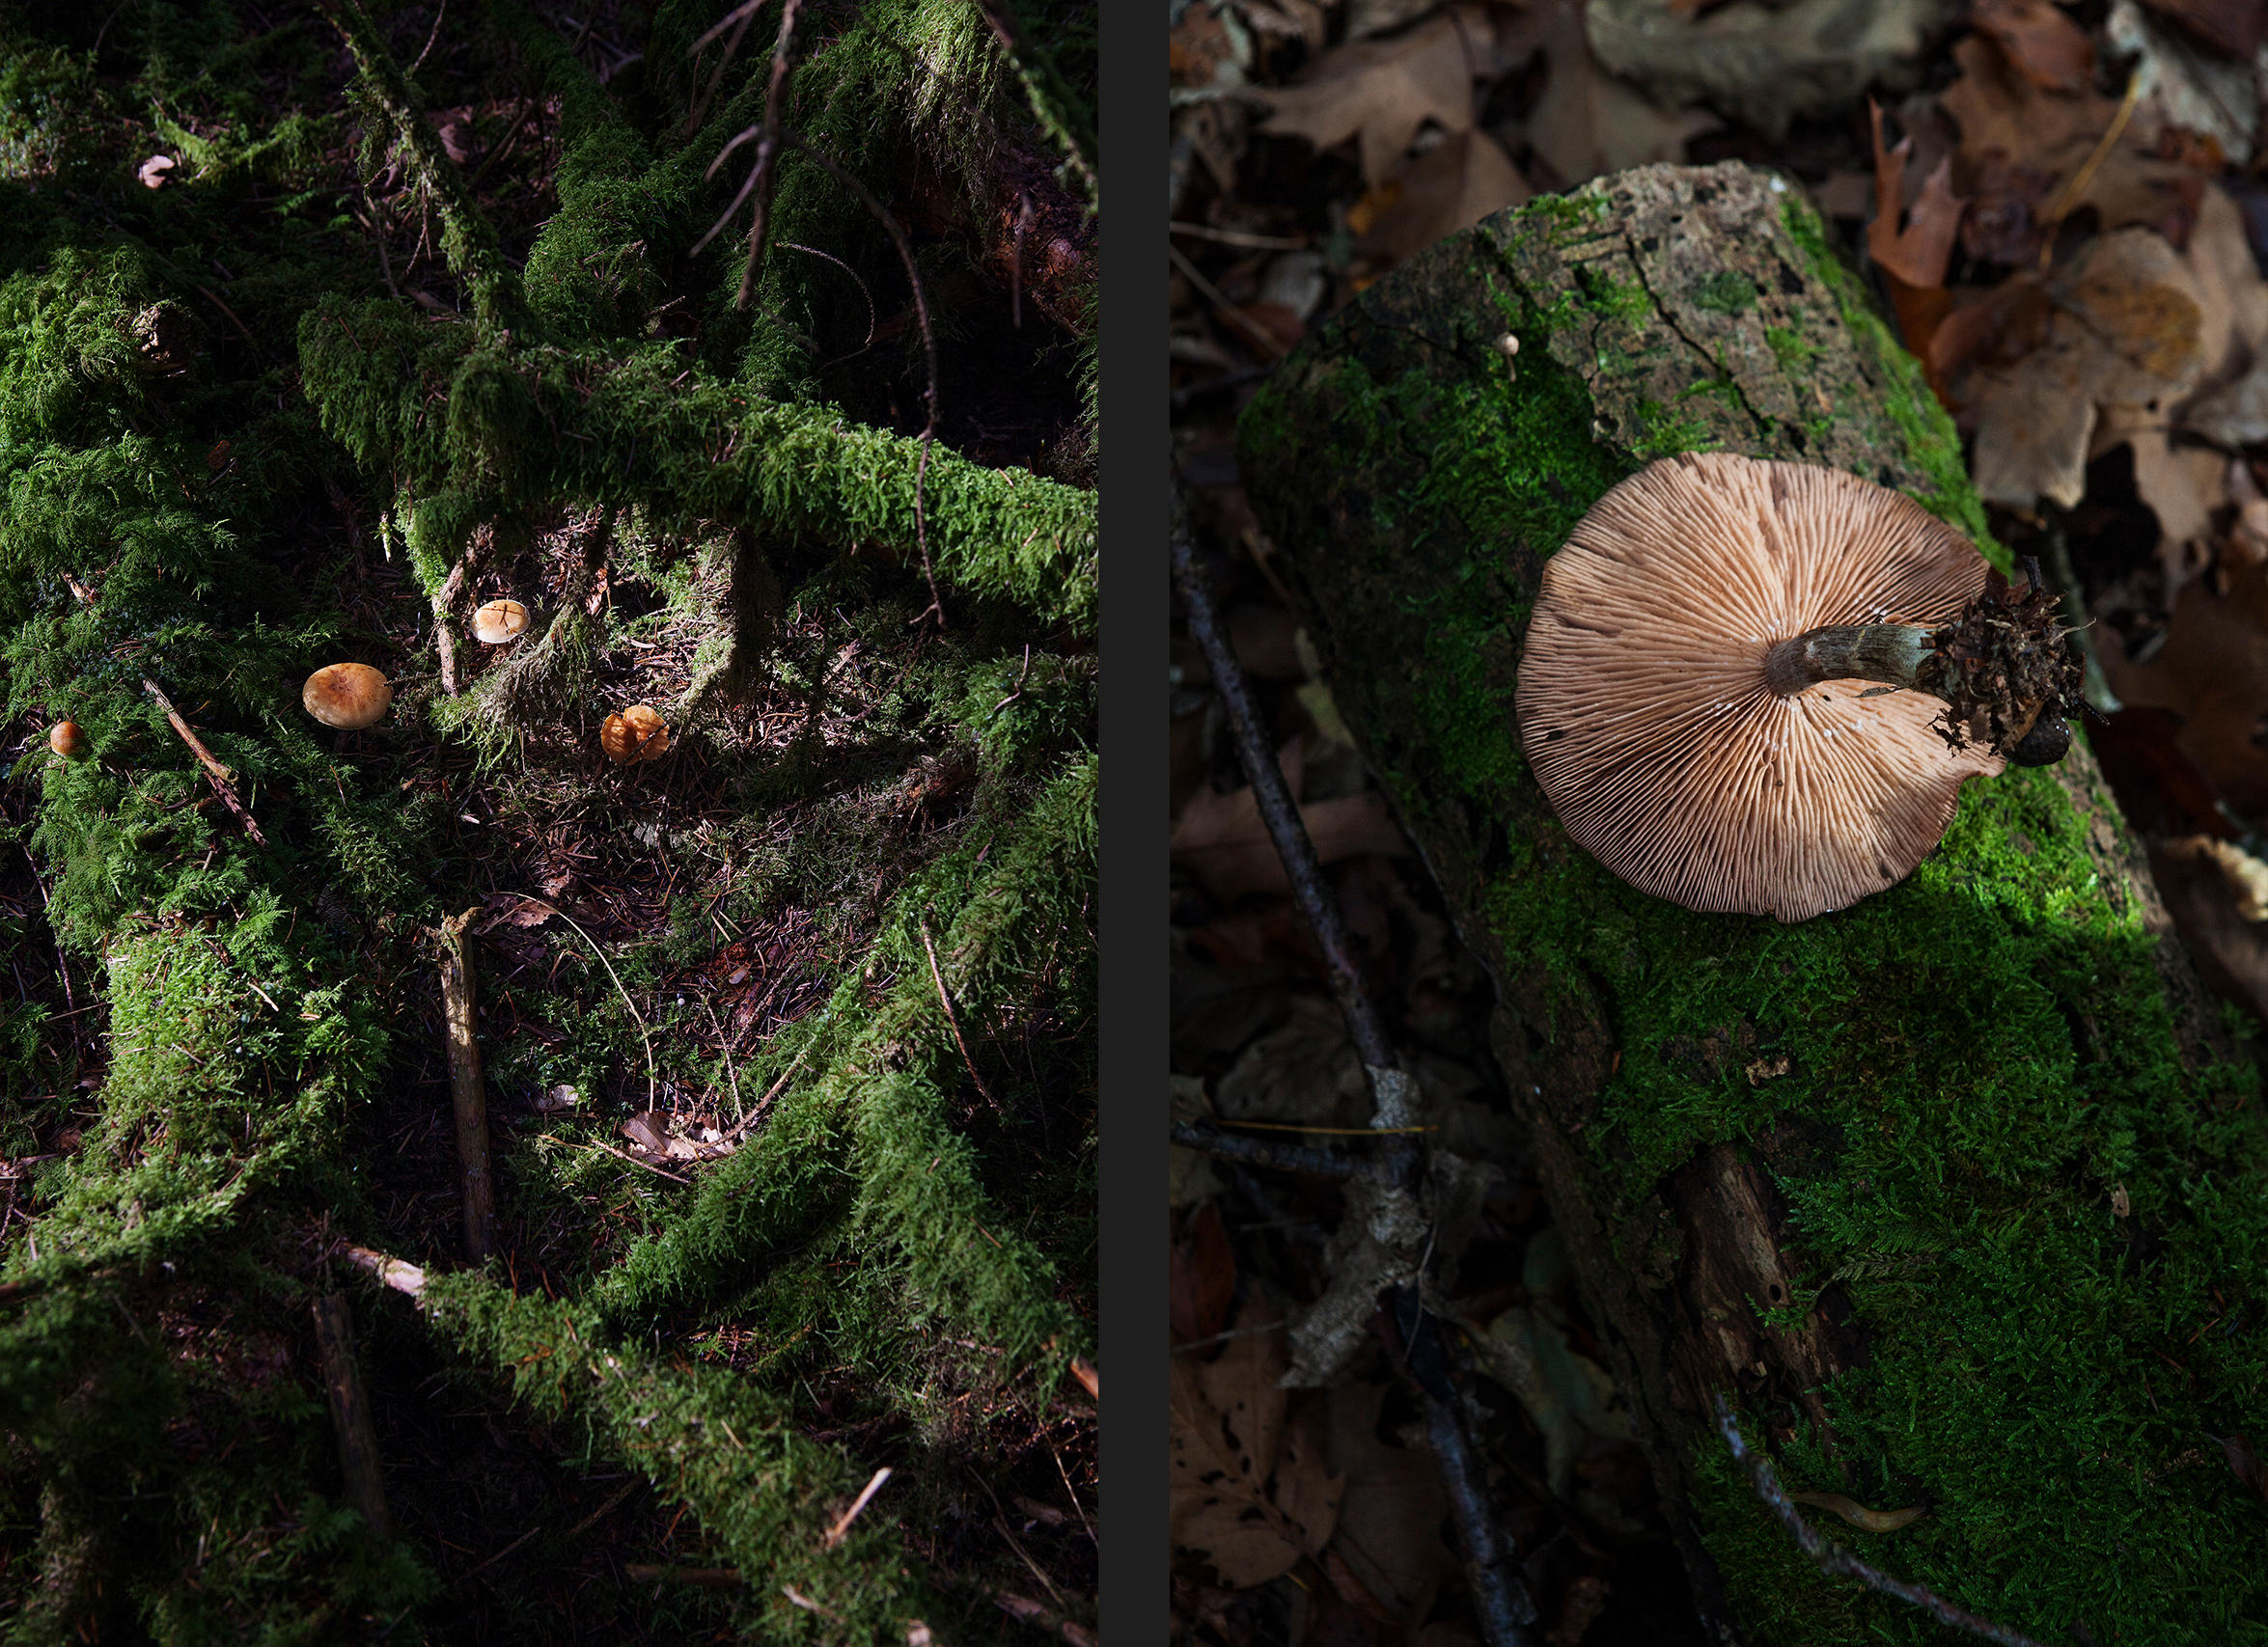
x=1757 y=687
x=347 y=695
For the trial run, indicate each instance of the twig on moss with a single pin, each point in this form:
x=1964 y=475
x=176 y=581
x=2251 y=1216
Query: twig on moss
x=1832 y=1558
x=951 y=1019
x=222 y=780
x=1051 y=99
x=1395 y=1225
x=841 y=1530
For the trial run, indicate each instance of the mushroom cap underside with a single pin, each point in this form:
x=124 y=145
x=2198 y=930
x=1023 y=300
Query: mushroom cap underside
x=1643 y=705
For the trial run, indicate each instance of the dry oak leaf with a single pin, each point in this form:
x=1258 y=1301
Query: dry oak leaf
x=1381 y=92
x=1389 y=1530
x=2040 y=43
x=2213 y=673
x=1918 y=252
x=1587 y=122
x=1248 y=1486
x=1464 y=177
x=2123 y=333
x=2027 y=141
x=1220 y=839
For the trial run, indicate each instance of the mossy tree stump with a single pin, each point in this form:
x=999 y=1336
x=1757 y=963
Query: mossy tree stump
x=1955 y=1192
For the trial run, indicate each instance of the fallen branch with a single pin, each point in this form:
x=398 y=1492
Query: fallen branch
x=350 y=1415
x=1277 y=1157
x=951 y=1019
x=466 y=1090
x=223 y=781
x=1832 y=1558
x=1391 y=1216
x=841 y=1529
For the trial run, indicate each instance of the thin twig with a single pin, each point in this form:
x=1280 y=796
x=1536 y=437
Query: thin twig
x=1277 y=1157
x=946 y=1000
x=601 y=1513
x=767 y=149
x=1499 y=1594
x=430 y=38
x=1213 y=294
x=499 y=1556
x=468 y=1094
x=842 y=1527
x=2069 y=195
x=653 y=1082
x=1832 y=1558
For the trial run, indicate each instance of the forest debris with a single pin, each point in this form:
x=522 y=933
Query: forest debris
x=1918 y=253
x=1250 y=1487
x=1190 y=1176
x=393 y=1273
x=654 y=1141
x=1224 y=843
x=2244 y=1463
x=467 y=1094
x=2244 y=876
x=2025 y=146
x=2193 y=89
x=154 y=170
x=1858 y=1515
x=2123 y=333
x=2213 y=673
x=2236 y=27
x=1766 y=62
x=1464 y=177
x=842 y=1527
x=2041 y=43
x=1200 y=1287
x=1590 y=123
x=1389 y=1528
x=359 y=1460
x=1381 y=92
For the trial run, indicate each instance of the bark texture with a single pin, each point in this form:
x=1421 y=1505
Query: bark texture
x=1953 y=1191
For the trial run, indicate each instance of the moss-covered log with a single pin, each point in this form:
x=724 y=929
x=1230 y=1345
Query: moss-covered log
x=1957 y=1192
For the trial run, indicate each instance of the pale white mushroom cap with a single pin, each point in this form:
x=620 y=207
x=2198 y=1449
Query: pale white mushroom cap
x=498 y=621
x=1641 y=700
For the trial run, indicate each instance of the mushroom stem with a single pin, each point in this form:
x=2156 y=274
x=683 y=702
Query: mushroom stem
x=1892 y=653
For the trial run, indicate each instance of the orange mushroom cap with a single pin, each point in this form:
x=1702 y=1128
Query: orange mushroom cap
x=347 y=695
x=1642 y=704
x=638 y=733
x=66 y=740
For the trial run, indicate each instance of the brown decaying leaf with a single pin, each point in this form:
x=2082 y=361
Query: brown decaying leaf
x=2213 y=673
x=2041 y=43
x=2244 y=1463
x=1918 y=252
x=2236 y=27
x=1588 y=123
x=1220 y=839
x=1381 y=92
x=1202 y=1274
x=1389 y=1531
x=1856 y=1514
x=1248 y=1485
x=1454 y=184
x=2020 y=141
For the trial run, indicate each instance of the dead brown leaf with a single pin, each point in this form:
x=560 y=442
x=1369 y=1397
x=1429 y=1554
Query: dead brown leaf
x=1222 y=840
x=2123 y=333
x=2024 y=141
x=2236 y=27
x=1389 y=1529
x=1452 y=185
x=1587 y=122
x=1918 y=252
x=1202 y=1277
x=1249 y=1486
x=1382 y=92
x=2213 y=673
x=2040 y=43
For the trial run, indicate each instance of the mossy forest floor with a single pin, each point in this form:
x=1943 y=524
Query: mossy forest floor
x=319 y=326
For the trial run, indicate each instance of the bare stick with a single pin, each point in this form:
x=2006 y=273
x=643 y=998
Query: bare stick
x=465 y=1090
x=1832 y=1558
x=401 y=1276
x=350 y=1415
x=220 y=777
x=767 y=151
x=444 y=637
x=1499 y=1594
x=841 y=1529
x=1277 y=1157
x=946 y=1000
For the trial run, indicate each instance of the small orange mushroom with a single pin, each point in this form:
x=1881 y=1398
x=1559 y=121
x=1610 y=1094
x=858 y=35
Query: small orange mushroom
x=347 y=695
x=66 y=740
x=638 y=733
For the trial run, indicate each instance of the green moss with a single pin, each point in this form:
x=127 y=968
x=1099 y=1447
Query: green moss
x=1727 y=292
